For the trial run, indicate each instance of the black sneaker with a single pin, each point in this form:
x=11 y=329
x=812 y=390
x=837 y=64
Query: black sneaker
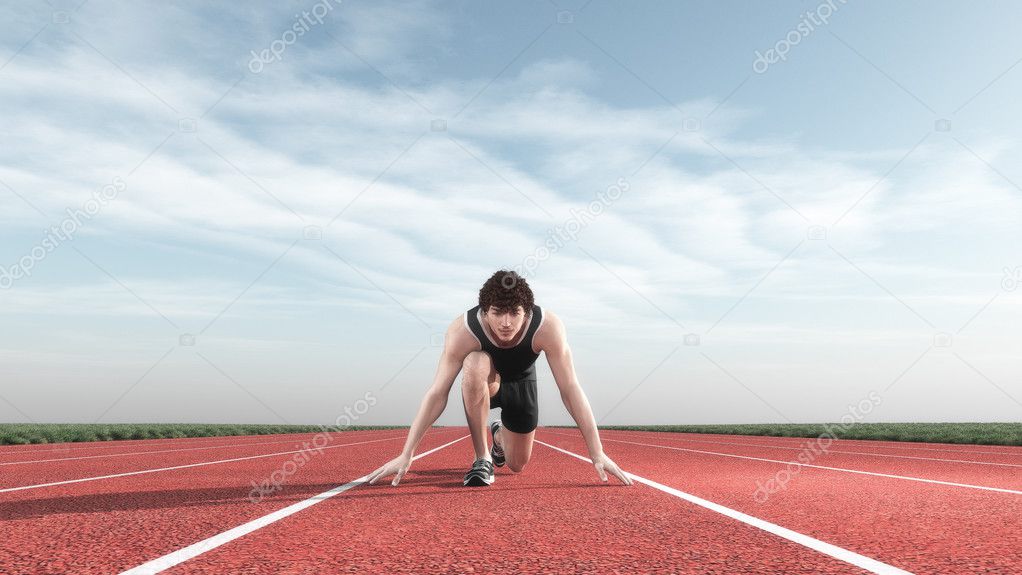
x=481 y=473
x=496 y=451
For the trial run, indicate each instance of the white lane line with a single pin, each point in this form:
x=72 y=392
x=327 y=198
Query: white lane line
x=1010 y=450
x=70 y=446
x=858 y=471
x=129 y=443
x=828 y=451
x=144 y=471
x=184 y=554
x=839 y=553
x=126 y=454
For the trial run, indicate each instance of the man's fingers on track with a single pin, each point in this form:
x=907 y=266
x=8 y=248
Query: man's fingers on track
x=619 y=474
x=384 y=473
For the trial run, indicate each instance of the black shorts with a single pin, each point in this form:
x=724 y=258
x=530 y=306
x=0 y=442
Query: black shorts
x=516 y=399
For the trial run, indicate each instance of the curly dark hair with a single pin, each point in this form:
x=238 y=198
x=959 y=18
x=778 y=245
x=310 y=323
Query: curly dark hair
x=506 y=290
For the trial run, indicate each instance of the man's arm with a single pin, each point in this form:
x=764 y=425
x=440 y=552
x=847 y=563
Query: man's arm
x=558 y=354
x=552 y=340
x=434 y=401
x=457 y=345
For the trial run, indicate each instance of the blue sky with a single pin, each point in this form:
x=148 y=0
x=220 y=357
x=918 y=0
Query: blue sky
x=278 y=238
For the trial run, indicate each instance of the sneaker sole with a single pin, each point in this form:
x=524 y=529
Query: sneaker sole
x=478 y=481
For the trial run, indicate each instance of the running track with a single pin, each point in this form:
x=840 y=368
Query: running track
x=182 y=506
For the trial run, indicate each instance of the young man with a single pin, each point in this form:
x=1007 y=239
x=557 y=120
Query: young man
x=496 y=345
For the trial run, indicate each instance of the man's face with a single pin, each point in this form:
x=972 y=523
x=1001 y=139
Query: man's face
x=505 y=323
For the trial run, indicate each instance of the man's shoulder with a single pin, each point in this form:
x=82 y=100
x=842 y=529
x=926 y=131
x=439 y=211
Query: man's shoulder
x=550 y=332
x=550 y=320
x=459 y=338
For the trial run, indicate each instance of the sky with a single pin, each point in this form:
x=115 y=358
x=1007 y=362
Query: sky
x=742 y=212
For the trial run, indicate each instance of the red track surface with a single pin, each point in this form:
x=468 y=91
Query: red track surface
x=554 y=517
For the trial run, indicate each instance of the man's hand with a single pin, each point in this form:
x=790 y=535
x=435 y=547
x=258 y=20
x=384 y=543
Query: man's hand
x=603 y=464
x=399 y=465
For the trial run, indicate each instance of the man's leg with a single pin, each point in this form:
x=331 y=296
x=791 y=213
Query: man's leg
x=517 y=447
x=479 y=382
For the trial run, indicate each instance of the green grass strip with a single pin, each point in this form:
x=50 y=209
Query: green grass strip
x=24 y=433
x=963 y=433
x=968 y=433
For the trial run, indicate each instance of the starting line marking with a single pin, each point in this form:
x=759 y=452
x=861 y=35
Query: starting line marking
x=840 y=553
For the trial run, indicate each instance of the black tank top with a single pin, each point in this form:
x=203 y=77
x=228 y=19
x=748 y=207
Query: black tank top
x=512 y=363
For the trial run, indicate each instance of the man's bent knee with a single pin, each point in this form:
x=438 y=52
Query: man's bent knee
x=478 y=372
x=477 y=366
x=477 y=360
